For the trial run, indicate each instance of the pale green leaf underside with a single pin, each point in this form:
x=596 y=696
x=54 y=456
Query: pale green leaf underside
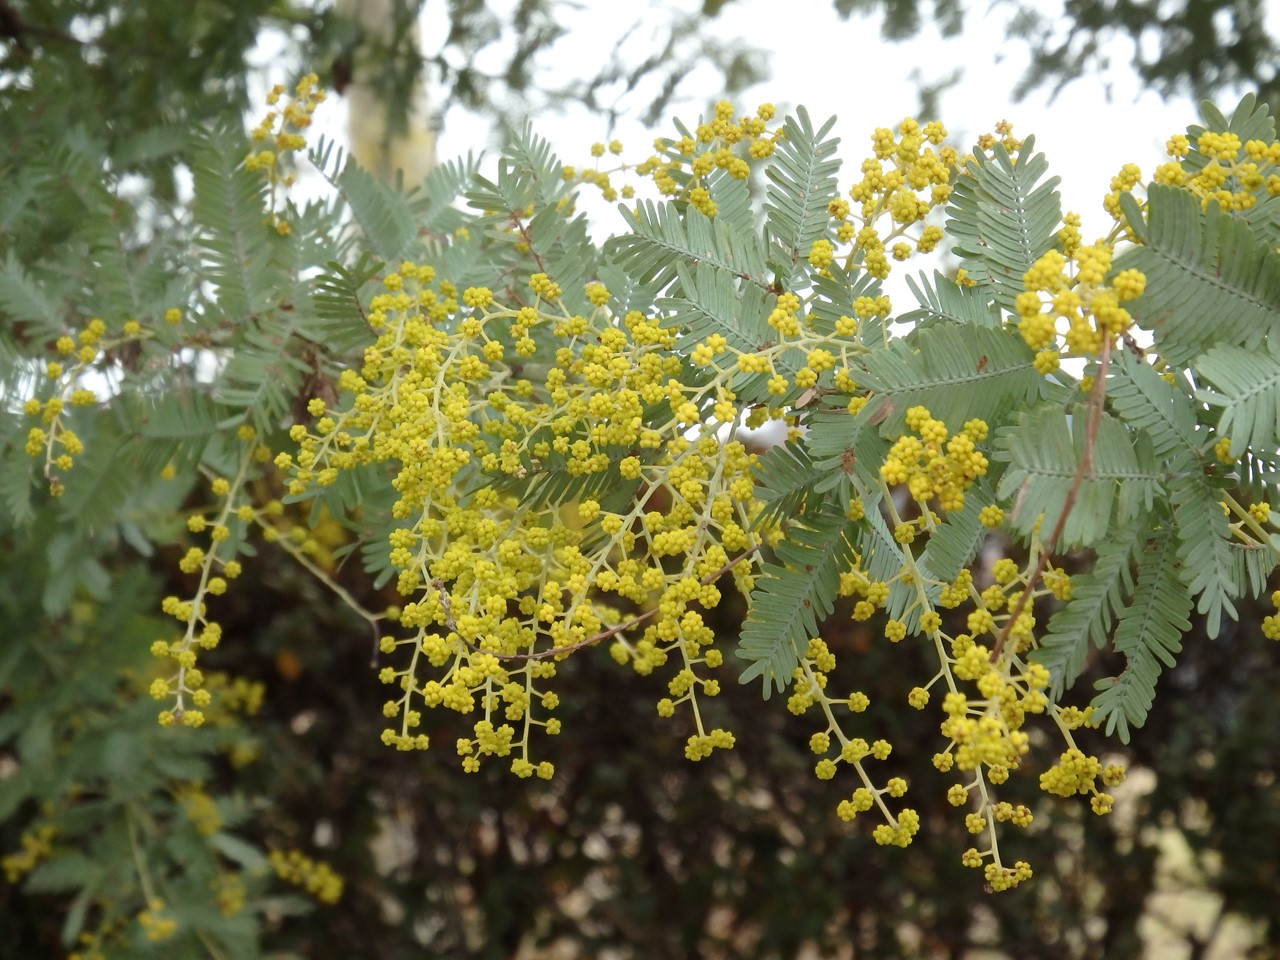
x=1145 y=400
x=1246 y=385
x=958 y=371
x=1204 y=547
x=1043 y=452
x=802 y=176
x=1210 y=281
x=1097 y=596
x=793 y=596
x=1149 y=635
x=945 y=301
x=663 y=237
x=1002 y=218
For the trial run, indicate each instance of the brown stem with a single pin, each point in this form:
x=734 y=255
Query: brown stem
x=1097 y=399
x=518 y=222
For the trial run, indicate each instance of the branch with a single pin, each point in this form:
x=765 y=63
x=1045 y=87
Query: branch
x=1097 y=399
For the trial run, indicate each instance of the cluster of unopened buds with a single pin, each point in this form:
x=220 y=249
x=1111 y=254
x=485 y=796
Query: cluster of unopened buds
x=679 y=167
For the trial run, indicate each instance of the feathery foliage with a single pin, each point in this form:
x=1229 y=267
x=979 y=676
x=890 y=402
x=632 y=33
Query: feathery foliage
x=1003 y=217
x=1043 y=450
x=793 y=596
x=1149 y=635
x=1097 y=597
x=1201 y=263
x=802 y=178
x=1246 y=385
x=962 y=372
x=502 y=444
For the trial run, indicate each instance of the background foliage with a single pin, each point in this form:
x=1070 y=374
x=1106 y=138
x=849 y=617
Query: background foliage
x=100 y=105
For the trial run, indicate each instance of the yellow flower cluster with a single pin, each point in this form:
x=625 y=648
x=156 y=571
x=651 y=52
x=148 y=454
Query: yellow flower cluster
x=313 y=876
x=201 y=809
x=282 y=128
x=54 y=442
x=990 y=689
x=90 y=944
x=871 y=594
x=213 y=567
x=37 y=844
x=552 y=470
x=1217 y=168
x=156 y=926
x=229 y=894
x=1072 y=288
x=810 y=690
x=1271 y=623
x=1002 y=135
x=932 y=464
x=905 y=178
x=680 y=168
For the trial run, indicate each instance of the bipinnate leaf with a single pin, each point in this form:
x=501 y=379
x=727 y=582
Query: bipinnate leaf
x=1003 y=217
x=792 y=596
x=1149 y=636
x=1210 y=280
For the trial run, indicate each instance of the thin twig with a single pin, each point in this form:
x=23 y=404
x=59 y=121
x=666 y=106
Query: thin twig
x=1097 y=399
x=452 y=625
x=343 y=594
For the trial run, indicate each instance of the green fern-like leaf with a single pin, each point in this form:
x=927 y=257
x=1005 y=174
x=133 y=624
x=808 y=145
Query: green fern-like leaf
x=100 y=484
x=955 y=542
x=626 y=293
x=848 y=451
x=263 y=376
x=337 y=319
x=835 y=292
x=1204 y=546
x=1043 y=451
x=1259 y=474
x=958 y=371
x=1149 y=635
x=532 y=157
x=380 y=211
x=880 y=554
x=1253 y=565
x=24 y=299
x=1145 y=400
x=802 y=180
x=662 y=237
x=231 y=232
x=128 y=280
x=786 y=481
x=792 y=597
x=945 y=301
x=434 y=207
x=17 y=477
x=733 y=201
x=362 y=492
x=1003 y=217
x=712 y=300
x=1199 y=265
x=1247 y=387
x=170 y=428
x=65 y=872
x=1097 y=596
